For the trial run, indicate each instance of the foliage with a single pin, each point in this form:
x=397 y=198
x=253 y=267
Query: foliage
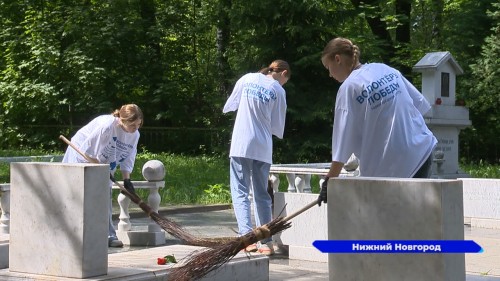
x=4 y=172
x=216 y=193
x=189 y=179
x=62 y=63
x=264 y=31
x=484 y=99
x=481 y=170
x=205 y=179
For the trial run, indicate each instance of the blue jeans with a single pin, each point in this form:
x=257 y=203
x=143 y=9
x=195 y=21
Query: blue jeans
x=245 y=173
x=111 y=229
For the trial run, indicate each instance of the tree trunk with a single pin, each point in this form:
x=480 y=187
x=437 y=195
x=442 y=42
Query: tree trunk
x=148 y=15
x=437 y=22
x=378 y=28
x=403 y=10
x=222 y=41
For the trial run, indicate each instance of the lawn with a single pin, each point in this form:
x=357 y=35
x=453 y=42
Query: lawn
x=205 y=179
x=188 y=180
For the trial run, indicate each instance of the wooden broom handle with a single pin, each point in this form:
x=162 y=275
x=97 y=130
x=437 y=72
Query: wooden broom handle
x=296 y=213
x=64 y=139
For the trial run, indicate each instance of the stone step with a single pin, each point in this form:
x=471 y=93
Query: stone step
x=142 y=265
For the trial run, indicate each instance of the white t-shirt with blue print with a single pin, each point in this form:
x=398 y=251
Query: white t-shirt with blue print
x=106 y=141
x=379 y=118
x=260 y=102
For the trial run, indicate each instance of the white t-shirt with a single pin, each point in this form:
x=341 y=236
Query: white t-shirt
x=261 y=105
x=106 y=141
x=378 y=117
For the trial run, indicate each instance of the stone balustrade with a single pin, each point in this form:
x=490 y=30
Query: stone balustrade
x=299 y=175
x=153 y=171
x=124 y=224
x=155 y=235
x=5 y=206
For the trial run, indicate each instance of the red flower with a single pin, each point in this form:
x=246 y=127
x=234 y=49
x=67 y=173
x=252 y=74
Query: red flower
x=162 y=261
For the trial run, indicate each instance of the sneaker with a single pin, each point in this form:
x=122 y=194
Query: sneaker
x=265 y=250
x=251 y=248
x=115 y=243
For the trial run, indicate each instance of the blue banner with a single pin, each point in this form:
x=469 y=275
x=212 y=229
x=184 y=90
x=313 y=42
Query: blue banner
x=397 y=246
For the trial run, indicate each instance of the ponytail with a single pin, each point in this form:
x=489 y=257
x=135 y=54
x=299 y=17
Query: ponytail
x=277 y=66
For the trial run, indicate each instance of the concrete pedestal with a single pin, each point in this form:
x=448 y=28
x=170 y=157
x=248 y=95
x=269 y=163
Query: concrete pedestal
x=4 y=251
x=395 y=209
x=481 y=197
x=306 y=228
x=59 y=219
x=141 y=238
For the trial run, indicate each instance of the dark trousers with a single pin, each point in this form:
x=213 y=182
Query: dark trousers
x=425 y=170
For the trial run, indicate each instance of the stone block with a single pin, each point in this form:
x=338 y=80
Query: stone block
x=395 y=209
x=59 y=219
x=306 y=228
x=481 y=197
x=141 y=238
x=4 y=254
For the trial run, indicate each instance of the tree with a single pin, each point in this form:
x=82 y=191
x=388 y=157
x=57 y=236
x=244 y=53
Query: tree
x=484 y=98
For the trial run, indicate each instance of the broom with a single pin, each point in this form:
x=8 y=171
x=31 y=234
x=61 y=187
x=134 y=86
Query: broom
x=199 y=263
x=168 y=225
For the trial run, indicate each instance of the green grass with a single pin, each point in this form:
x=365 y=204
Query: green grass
x=4 y=172
x=188 y=180
x=205 y=179
x=481 y=170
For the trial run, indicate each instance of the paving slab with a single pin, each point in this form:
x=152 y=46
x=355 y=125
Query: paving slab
x=479 y=267
x=142 y=265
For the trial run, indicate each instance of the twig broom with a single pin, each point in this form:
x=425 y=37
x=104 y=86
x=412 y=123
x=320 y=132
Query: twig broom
x=201 y=262
x=168 y=225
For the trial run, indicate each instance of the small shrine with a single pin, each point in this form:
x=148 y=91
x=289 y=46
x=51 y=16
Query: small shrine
x=447 y=116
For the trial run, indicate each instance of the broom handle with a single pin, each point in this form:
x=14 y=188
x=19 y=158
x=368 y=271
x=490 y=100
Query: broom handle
x=64 y=139
x=305 y=208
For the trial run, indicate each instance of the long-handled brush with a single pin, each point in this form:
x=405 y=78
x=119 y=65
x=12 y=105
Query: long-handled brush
x=201 y=262
x=168 y=225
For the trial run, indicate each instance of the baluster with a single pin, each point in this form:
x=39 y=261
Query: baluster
x=290 y=177
x=154 y=200
x=307 y=183
x=124 y=223
x=275 y=182
x=5 y=206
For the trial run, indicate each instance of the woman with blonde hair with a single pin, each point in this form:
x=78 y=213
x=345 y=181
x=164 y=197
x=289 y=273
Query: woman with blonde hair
x=110 y=139
x=378 y=116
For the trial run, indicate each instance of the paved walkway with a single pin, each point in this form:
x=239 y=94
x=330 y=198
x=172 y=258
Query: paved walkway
x=219 y=221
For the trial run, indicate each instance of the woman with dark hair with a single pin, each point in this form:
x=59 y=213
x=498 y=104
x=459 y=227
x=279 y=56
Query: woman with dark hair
x=260 y=101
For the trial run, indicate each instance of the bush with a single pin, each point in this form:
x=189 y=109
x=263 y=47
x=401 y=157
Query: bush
x=482 y=170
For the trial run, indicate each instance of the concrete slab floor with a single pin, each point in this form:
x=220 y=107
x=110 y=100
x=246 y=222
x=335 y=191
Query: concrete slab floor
x=479 y=267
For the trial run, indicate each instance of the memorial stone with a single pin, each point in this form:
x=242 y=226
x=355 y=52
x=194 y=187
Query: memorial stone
x=59 y=219
x=447 y=116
